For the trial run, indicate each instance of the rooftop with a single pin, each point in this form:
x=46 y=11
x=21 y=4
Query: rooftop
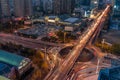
x=52 y=17
x=4 y=69
x=3 y=78
x=9 y=61
x=13 y=60
x=110 y=73
x=10 y=58
x=72 y=20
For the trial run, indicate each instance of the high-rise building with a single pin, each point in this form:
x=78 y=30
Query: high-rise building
x=47 y=6
x=11 y=6
x=85 y=2
x=116 y=8
x=0 y=11
x=101 y=4
x=94 y=4
x=109 y=1
x=28 y=7
x=82 y=3
x=5 y=8
x=82 y=8
x=38 y=7
x=112 y=73
x=63 y=6
x=19 y=8
x=56 y=6
x=36 y=2
x=22 y=8
x=115 y=21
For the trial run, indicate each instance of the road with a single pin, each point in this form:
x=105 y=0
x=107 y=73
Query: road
x=26 y=42
x=61 y=72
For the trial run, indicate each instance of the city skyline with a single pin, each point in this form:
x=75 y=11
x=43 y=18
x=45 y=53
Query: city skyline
x=59 y=39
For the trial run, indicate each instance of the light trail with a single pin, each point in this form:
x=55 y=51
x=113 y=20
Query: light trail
x=65 y=67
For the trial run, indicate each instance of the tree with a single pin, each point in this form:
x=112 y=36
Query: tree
x=1 y=27
x=60 y=35
x=104 y=47
x=116 y=49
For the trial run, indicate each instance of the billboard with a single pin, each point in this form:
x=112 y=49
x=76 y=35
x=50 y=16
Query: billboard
x=69 y=28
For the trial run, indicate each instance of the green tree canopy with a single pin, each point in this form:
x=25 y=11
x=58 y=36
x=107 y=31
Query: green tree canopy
x=116 y=49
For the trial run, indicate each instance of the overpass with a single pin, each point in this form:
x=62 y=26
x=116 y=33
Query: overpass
x=61 y=72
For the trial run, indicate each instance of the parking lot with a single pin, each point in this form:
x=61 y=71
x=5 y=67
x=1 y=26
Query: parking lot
x=39 y=30
x=113 y=36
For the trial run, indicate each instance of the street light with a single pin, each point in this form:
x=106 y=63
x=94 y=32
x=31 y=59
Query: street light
x=64 y=36
x=97 y=69
x=103 y=42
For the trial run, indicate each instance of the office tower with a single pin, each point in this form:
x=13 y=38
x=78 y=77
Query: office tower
x=70 y=7
x=85 y=2
x=4 y=8
x=28 y=7
x=63 y=6
x=36 y=2
x=110 y=73
x=37 y=5
x=109 y=1
x=0 y=11
x=101 y=4
x=11 y=7
x=115 y=23
x=80 y=3
x=82 y=8
x=56 y=6
x=47 y=6
x=19 y=8
x=22 y=8
x=94 y=4
x=116 y=8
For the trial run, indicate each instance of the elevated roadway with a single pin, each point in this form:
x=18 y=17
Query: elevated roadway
x=61 y=72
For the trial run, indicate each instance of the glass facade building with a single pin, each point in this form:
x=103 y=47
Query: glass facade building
x=0 y=11
x=9 y=60
x=5 y=8
x=79 y=3
x=110 y=73
x=115 y=19
x=116 y=8
x=3 y=78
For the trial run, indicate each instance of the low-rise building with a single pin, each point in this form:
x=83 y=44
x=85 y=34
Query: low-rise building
x=112 y=73
x=10 y=62
x=3 y=78
x=70 y=23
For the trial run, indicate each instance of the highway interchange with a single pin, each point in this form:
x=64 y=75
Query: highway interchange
x=61 y=72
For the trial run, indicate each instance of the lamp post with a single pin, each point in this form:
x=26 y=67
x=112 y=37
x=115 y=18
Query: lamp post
x=103 y=42
x=98 y=62
x=64 y=36
x=11 y=25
